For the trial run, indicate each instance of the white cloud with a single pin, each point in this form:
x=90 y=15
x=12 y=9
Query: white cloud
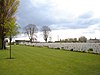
x=70 y=7
x=64 y=11
x=73 y=18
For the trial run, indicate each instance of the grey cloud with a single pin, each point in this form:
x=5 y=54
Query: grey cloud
x=87 y=22
x=28 y=13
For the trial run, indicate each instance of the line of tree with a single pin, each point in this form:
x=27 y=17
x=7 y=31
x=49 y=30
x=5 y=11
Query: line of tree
x=81 y=39
x=31 y=30
x=8 y=26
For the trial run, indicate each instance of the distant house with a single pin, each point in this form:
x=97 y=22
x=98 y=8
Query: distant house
x=93 y=41
x=21 y=41
x=18 y=41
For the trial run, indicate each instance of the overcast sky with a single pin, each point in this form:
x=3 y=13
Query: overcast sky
x=75 y=16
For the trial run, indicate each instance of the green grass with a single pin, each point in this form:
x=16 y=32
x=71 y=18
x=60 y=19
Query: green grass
x=43 y=61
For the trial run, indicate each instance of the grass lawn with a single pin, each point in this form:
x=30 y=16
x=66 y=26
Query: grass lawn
x=43 y=61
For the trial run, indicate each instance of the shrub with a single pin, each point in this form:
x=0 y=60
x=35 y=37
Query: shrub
x=62 y=48
x=83 y=51
x=71 y=49
x=90 y=50
x=57 y=48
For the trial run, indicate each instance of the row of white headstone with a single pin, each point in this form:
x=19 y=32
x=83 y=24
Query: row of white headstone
x=70 y=46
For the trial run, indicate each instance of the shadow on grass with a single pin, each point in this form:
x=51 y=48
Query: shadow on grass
x=10 y=58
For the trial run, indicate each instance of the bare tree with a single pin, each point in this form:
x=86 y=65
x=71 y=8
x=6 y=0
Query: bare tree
x=30 y=30
x=46 y=30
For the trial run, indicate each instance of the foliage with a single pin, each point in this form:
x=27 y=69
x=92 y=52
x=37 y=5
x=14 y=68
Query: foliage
x=68 y=40
x=82 y=39
x=43 y=61
x=12 y=28
x=90 y=50
x=30 y=30
x=46 y=30
x=8 y=9
x=7 y=12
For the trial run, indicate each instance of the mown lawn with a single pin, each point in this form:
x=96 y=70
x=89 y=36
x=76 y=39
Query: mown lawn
x=43 y=61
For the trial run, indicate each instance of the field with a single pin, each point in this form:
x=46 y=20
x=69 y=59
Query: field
x=43 y=61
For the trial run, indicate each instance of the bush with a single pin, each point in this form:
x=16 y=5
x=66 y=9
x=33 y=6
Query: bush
x=71 y=49
x=62 y=48
x=90 y=50
x=57 y=48
x=83 y=51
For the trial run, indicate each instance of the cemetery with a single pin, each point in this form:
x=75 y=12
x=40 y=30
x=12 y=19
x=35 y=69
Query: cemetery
x=82 y=47
x=52 y=37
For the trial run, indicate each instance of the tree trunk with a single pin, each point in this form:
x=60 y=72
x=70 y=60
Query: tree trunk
x=45 y=39
x=31 y=40
x=3 y=43
x=3 y=39
x=0 y=43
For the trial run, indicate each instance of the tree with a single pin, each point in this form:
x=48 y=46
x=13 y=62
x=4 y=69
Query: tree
x=46 y=30
x=7 y=18
x=30 y=30
x=66 y=40
x=70 y=39
x=82 y=39
x=74 y=39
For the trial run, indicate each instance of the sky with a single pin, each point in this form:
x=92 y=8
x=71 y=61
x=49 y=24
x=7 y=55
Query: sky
x=66 y=18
